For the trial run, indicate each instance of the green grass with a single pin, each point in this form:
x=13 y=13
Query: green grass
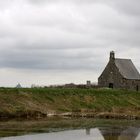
x=29 y=101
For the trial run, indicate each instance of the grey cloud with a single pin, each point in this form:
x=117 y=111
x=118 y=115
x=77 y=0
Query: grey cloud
x=52 y=36
x=54 y=1
x=38 y=1
x=52 y=59
x=65 y=40
x=128 y=7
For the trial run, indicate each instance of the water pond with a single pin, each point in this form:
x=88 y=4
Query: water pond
x=84 y=134
x=71 y=130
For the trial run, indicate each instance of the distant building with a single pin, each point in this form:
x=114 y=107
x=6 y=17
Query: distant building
x=71 y=85
x=120 y=73
x=88 y=83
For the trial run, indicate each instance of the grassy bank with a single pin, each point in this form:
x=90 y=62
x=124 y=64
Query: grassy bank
x=41 y=102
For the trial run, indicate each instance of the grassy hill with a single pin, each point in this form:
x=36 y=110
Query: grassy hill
x=39 y=102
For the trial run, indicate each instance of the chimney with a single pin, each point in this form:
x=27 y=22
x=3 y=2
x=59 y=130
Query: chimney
x=112 y=55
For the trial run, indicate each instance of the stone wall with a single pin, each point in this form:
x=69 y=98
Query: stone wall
x=111 y=75
x=132 y=84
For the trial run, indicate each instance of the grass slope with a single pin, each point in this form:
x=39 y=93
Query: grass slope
x=33 y=102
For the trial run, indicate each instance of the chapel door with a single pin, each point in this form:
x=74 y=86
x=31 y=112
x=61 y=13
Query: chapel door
x=110 y=85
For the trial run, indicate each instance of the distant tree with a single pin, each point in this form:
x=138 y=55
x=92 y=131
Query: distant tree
x=18 y=85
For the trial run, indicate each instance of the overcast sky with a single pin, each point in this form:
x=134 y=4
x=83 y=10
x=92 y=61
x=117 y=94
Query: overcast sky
x=62 y=41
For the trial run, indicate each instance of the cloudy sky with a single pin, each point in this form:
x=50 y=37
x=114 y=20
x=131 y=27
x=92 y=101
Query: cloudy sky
x=62 y=41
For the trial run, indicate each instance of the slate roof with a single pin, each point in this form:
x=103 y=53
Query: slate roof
x=127 y=69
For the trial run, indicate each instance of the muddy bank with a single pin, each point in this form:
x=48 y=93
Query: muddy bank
x=99 y=115
x=102 y=115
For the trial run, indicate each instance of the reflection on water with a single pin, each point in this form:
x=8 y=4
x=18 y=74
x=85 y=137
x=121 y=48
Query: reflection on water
x=63 y=135
x=88 y=134
x=130 y=134
x=88 y=131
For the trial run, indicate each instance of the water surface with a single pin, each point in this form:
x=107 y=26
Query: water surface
x=130 y=133
x=70 y=129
